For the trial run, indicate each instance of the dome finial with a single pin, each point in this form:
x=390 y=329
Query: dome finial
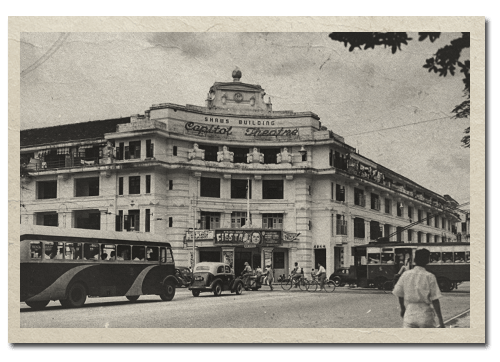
x=236 y=74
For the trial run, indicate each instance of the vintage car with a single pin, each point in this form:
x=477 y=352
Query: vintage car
x=343 y=276
x=184 y=276
x=215 y=278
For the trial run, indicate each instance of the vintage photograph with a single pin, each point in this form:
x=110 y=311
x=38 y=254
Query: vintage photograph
x=220 y=179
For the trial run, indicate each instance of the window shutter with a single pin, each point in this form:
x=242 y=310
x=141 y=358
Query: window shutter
x=126 y=223
x=127 y=152
x=137 y=152
x=137 y=222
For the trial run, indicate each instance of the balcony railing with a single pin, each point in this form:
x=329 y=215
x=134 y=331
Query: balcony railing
x=67 y=163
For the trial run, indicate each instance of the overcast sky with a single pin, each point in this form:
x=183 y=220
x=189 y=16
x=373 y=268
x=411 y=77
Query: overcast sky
x=91 y=76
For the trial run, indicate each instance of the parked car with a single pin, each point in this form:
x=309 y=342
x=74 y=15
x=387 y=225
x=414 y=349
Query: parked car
x=184 y=276
x=343 y=276
x=215 y=278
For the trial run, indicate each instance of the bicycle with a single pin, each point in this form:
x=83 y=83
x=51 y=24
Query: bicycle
x=287 y=283
x=328 y=286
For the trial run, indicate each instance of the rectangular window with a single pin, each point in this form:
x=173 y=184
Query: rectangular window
x=340 y=193
x=330 y=158
x=238 y=219
x=341 y=225
x=50 y=218
x=272 y=189
x=375 y=202
x=410 y=212
x=134 y=150
x=239 y=189
x=210 y=220
x=340 y=161
x=87 y=219
x=436 y=239
x=272 y=221
x=359 y=197
x=119 y=221
x=174 y=151
x=410 y=235
x=148 y=184
x=170 y=221
x=429 y=218
x=134 y=185
x=47 y=189
x=36 y=250
x=134 y=217
x=138 y=253
x=436 y=221
x=240 y=154
x=304 y=156
x=428 y=238
x=147 y=226
x=464 y=227
x=210 y=187
x=419 y=212
x=270 y=155
x=149 y=148
x=210 y=152
x=443 y=223
x=73 y=251
x=123 y=252
x=400 y=209
x=120 y=185
x=388 y=204
x=359 y=228
x=90 y=251
x=375 y=230
x=87 y=186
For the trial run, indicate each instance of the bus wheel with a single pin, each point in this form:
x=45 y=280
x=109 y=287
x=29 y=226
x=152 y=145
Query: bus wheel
x=38 y=304
x=132 y=298
x=196 y=293
x=169 y=293
x=444 y=284
x=379 y=282
x=77 y=295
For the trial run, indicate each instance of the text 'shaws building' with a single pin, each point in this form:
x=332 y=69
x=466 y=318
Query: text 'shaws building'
x=311 y=197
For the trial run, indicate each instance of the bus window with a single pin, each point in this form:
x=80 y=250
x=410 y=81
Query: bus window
x=138 y=253
x=374 y=258
x=460 y=257
x=152 y=254
x=53 y=250
x=77 y=250
x=467 y=256
x=447 y=257
x=123 y=252
x=36 y=250
x=435 y=257
x=387 y=258
x=91 y=251
x=108 y=252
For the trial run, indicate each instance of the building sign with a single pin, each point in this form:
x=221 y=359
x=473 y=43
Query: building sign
x=200 y=235
x=247 y=237
x=216 y=129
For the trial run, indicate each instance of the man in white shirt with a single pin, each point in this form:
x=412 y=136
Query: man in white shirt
x=419 y=294
x=321 y=274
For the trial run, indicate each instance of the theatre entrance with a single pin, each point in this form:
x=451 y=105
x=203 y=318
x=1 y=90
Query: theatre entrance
x=252 y=257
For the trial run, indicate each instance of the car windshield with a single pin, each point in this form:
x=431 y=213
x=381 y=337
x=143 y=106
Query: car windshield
x=202 y=267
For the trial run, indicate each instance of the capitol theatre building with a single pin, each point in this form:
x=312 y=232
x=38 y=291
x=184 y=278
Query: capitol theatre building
x=246 y=183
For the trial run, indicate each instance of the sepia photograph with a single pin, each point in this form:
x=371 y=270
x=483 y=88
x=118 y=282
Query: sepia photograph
x=270 y=180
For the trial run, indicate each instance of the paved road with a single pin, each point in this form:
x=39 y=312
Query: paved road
x=344 y=308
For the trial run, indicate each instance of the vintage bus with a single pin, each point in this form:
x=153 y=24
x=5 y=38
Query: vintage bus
x=72 y=268
x=374 y=264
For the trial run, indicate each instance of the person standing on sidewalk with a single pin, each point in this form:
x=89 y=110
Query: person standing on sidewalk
x=270 y=276
x=419 y=294
x=321 y=276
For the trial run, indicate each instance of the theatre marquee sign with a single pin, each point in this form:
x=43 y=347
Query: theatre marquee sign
x=250 y=237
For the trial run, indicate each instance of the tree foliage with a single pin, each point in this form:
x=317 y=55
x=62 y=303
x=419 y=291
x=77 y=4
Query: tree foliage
x=445 y=61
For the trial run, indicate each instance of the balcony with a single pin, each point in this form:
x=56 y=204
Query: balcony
x=38 y=165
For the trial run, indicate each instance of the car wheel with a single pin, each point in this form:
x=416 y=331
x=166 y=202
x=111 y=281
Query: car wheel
x=132 y=298
x=239 y=289
x=77 y=295
x=196 y=293
x=445 y=285
x=336 y=281
x=38 y=304
x=169 y=292
x=217 y=289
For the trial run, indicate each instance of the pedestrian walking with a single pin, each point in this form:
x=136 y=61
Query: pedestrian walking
x=419 y=294
x=269 y=276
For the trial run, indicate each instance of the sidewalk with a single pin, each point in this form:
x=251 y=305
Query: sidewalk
x=461 y=322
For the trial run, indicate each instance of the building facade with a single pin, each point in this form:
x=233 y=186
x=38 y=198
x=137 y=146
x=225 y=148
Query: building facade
x=254 y=184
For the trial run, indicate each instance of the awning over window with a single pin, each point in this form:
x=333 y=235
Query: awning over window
x=42 y=153
x=84 y=147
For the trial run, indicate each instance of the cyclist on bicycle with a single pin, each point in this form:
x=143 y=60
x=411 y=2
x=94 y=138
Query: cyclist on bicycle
x=297 y=274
